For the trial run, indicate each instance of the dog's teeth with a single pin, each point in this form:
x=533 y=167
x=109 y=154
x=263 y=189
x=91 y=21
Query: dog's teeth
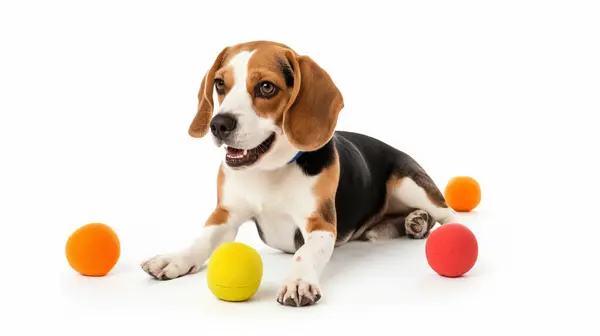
x=235 y=156
x=245 y=152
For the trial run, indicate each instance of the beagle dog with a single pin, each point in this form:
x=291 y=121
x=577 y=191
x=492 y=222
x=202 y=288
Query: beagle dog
x=307 y=187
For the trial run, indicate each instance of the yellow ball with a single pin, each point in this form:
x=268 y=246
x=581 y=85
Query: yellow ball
x=234 y=272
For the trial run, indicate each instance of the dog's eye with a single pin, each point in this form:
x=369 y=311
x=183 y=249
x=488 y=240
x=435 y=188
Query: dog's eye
x=266 y=89
x=220 y=86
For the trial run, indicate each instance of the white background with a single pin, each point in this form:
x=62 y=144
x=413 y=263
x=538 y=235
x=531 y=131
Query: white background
x=96 y=98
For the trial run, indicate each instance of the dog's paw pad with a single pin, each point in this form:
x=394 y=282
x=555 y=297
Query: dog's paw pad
x=417 y=224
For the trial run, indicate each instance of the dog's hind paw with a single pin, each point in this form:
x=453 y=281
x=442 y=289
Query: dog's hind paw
x=418 y=224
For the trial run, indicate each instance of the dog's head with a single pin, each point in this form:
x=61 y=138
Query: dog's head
x=272 y=104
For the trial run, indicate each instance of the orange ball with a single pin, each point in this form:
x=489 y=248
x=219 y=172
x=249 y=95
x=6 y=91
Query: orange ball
x=93 y=249
x=463 y=193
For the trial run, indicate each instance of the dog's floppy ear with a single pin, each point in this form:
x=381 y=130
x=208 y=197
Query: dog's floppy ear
x=311 y=115
x=199 y=125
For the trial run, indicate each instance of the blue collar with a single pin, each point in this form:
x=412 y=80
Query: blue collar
x=296 y=157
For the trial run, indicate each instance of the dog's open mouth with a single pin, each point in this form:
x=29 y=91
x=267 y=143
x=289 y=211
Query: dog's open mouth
x=236 y=157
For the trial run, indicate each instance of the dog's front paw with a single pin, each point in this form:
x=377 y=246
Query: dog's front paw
x=418 y=223
x=167 y=267
x=299 y=293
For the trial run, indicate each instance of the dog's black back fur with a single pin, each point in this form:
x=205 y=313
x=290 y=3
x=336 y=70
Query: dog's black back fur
x=366 y=165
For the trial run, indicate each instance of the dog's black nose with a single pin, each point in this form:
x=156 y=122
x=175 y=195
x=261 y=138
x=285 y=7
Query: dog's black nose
x=222 y=125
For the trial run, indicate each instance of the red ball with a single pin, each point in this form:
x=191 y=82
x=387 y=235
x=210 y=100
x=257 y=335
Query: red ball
x=451 y=250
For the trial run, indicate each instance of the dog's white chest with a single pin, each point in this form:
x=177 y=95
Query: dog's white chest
x=277 y=231
x=279 y=201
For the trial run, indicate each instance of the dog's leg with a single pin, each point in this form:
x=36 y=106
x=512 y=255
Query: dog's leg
x=222 y=226
x=390 y=227
x=319 y=228
x=419 y=192
x=301 y=287
x=416 y=224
